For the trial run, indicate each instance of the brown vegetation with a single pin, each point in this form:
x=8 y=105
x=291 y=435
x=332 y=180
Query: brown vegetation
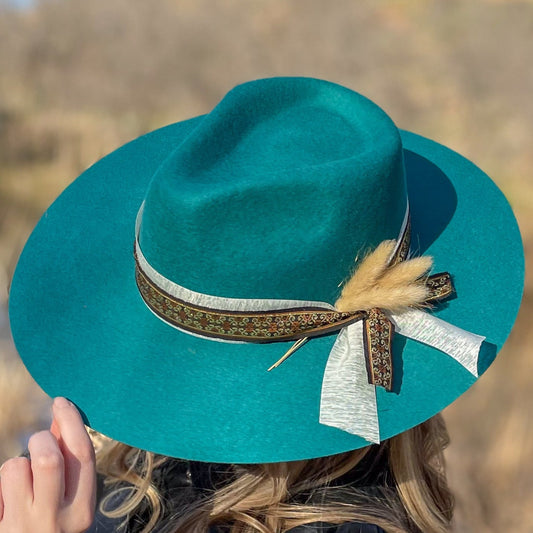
x=79 y=78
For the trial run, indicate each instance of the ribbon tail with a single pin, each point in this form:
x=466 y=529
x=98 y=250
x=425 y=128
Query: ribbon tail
x=348 y=400
x=462 y=345
x=378 y=332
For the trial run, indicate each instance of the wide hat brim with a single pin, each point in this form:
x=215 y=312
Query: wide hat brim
x=84 y=332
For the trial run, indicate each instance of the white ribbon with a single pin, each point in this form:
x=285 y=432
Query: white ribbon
x=348 y=401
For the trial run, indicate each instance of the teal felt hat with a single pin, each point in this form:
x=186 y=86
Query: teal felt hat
x=163 y=283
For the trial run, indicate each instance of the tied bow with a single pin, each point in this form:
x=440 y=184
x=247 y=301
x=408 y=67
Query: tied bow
x=387 y=281
x=392 y=290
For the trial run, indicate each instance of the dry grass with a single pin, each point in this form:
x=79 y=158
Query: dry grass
x=22 y=407
x=79 y=78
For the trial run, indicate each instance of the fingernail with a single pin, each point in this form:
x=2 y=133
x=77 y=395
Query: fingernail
x=62 y=402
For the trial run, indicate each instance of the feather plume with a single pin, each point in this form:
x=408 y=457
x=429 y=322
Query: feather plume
x=369 y=270
x=376 y=283
x=406 y=272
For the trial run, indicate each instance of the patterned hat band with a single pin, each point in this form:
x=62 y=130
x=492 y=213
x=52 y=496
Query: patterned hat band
x=365 y=332
x=258 y=321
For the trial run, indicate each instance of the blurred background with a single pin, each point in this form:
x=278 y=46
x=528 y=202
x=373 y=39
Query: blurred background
x=79 y=78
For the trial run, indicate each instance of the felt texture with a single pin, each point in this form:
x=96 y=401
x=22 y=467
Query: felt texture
x=275 y=170
x=272 y=195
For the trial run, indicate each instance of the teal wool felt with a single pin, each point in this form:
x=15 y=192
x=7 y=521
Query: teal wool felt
x=271 y=196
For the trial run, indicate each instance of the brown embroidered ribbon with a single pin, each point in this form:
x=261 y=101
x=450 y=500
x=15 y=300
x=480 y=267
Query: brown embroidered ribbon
x=378 y=332
x=256 y=326
x=291 y=324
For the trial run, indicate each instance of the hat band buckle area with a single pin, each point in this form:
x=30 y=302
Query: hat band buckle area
x=361 y=357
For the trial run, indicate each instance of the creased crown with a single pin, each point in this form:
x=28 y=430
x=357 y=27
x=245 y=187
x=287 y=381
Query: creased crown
x=275 y=192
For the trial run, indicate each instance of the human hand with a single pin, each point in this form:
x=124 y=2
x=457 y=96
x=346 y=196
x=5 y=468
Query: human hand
x=55 y=492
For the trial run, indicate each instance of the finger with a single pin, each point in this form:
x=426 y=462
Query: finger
x=78 y=453
x=48 y=472
x=17 y=490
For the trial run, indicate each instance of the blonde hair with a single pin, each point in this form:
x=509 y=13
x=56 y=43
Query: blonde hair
x=276 y=497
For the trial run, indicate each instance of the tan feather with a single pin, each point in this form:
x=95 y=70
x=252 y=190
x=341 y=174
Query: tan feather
x=376 y=284
x=369 y=270
x=406 y=272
